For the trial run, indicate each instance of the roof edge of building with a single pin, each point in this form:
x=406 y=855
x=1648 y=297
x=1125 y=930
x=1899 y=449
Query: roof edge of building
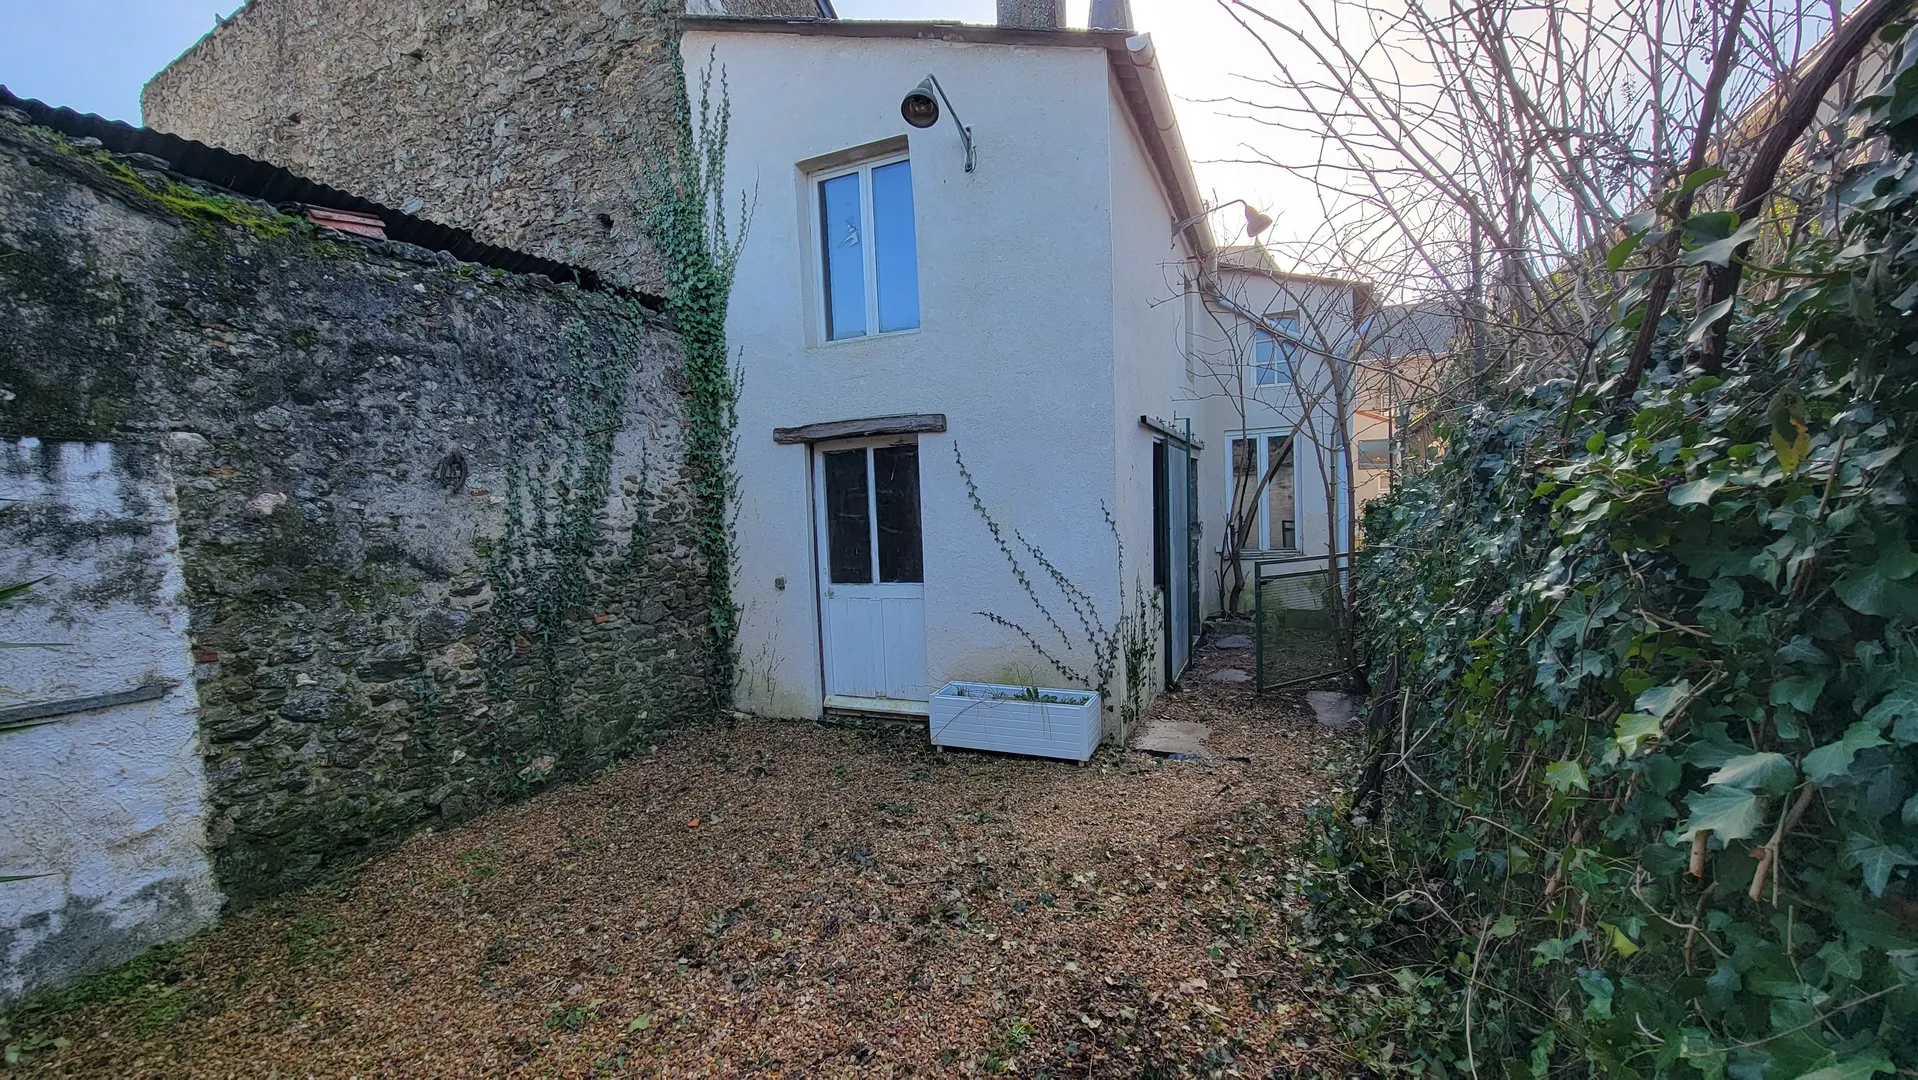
x=276 y=186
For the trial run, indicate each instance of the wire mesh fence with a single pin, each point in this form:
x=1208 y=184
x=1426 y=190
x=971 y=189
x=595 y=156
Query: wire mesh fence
x=1295 y=624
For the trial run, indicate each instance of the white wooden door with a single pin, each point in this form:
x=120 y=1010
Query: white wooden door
x=871 y=574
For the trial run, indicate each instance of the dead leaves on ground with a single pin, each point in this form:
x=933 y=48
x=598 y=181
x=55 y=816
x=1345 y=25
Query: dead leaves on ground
x=769 y=898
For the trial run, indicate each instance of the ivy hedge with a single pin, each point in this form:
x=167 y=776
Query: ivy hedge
x=1643 y=794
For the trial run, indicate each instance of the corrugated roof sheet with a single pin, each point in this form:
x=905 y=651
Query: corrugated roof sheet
x=269 y=183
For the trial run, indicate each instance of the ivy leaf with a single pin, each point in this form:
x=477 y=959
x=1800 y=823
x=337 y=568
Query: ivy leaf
x=1566 y=775
x=1900 y=703
x=1855 y=1069
x=1696 y=492
x=1700 y=178
x=1799 y=691
x=1791 y=442
x=1757 y=772
x=1634 y=730
x=1711 y=746
x=1505 y=927
x=1598 y=991
x=1622 y=250
x=1661 y=700
x=1832 y=761
x=1706 y=318
x=1556 y=949
x=1725 y=594
x=1909 y=815
x=1621 y=944
x=1877 y=859
x=1721 y=252
x=1731 y=813
x=1867 y=591
x=1841 y=961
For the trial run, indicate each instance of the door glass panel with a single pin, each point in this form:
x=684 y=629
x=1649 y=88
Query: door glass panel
x=1281 y=530
x=844 y=259
x=848 y=518
x=895 y=471
x=896 y=247
x=1245 y=493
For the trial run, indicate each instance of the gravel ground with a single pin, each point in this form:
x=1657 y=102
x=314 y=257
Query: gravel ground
x=765 y=898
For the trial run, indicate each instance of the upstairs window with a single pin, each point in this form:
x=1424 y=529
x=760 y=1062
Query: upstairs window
x=1272 y=357
x=869 y=254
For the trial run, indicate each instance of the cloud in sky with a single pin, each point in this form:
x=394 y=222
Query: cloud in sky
x=94 y=55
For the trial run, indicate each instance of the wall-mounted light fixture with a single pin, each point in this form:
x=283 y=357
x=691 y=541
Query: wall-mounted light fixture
x=921 y=110
x=1255 y=222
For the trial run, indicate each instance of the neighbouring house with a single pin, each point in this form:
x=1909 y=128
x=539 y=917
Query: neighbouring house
x=979 y=435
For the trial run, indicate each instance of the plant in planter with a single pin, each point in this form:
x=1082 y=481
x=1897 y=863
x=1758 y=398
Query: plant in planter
x=1016 y=719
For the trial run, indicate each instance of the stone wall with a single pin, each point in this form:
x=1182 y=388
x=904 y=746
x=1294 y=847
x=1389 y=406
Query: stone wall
x=431 y=518
x=521 y=122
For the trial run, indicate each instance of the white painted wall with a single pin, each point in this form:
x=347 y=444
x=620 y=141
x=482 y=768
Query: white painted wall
x=1016 y=344
x=109 y=805
x=1149 y=270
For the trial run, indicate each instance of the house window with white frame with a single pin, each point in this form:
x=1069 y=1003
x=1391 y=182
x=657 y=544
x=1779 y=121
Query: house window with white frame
x=1263 y=493
x=868 y=250
x=1272 y=355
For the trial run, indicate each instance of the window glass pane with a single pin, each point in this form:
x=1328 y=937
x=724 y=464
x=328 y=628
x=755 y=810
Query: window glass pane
x=895 y=475
x=848 y=518
x=1281 y=526
x=1272 y=357
x=1264 y=350
x=1375 y=453
x=844 y=264
x=896 y=251
x=1245 y=493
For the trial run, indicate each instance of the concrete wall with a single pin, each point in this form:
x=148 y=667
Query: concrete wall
x=105 y=809
x=1148 y=336
x=523 y=122
x=1015 y=345
x=384 y=630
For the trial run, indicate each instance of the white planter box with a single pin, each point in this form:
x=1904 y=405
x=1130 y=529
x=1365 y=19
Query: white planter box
x=984 y=716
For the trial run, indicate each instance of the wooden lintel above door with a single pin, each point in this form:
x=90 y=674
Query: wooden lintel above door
x=870 y=427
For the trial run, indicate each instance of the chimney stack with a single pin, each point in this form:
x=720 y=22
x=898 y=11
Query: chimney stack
x=1032 y=14
x=1110 y=15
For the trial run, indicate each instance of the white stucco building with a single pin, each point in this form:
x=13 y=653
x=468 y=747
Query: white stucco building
x=985 y=430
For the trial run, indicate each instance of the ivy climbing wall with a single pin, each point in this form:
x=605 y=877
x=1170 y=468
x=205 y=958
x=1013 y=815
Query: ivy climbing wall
x=433 y=526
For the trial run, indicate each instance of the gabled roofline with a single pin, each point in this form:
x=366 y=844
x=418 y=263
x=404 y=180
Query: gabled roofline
x=1134 y=65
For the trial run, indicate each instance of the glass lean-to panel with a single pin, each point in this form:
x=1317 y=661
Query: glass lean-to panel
x=848 y=518
x=1281 y=520
x=1245 y=491
x=895 y=472
x=895 y=247
x=843 y=261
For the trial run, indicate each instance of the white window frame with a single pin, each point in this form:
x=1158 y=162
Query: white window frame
x=868 y=250
x=1259 y=439
x=1262 y=330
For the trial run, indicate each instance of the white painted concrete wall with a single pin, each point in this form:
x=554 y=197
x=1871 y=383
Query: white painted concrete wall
x=1230 y=406
x=1016 y=344
x=108 y=805
x=1149 y=271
